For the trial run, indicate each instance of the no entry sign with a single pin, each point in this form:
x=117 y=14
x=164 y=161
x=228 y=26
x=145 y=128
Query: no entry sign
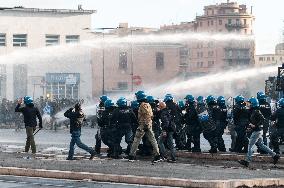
x=137 y=80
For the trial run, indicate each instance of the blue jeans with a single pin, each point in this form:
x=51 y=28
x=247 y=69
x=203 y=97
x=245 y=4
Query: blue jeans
x=170 y=143
x=256 y=138
x=75 y=139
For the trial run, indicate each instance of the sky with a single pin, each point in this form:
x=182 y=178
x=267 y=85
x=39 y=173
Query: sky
x=269 y=15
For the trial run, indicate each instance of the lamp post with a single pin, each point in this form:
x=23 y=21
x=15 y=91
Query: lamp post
x=132 y=63
x=103 y=58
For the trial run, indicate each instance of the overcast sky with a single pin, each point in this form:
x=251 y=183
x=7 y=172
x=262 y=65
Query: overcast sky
x=153 y=13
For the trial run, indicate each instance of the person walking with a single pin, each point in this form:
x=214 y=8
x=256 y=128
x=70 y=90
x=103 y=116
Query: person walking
x=31 y=114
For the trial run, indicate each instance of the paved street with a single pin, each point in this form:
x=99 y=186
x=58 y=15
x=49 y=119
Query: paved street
x=55 y=142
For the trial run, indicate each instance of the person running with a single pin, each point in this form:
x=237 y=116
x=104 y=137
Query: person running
x=76 y=119
x=256 y=125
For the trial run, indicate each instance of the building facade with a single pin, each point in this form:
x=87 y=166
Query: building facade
x=271 y=59
x=212 y=55
x=188 y=58
x=36 y=54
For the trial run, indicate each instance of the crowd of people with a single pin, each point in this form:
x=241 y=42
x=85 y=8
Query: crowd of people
x=152 y=126
x=178 y=125
x=45 y=106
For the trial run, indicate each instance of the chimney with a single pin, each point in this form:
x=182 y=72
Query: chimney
x=251 y=10
x=80 y=7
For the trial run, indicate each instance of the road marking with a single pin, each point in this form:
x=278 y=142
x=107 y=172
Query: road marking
x=23 y=182
x=11 y=181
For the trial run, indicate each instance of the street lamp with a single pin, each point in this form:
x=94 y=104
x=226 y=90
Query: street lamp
x=132 y=63
x=103 y=63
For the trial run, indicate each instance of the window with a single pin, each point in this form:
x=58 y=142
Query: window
x=123 y=60
x=200 y=24
x=220 y=22
x=122 y=85
x=245 y=21
x=184 y=52
x=280 y=58
x=246 y=31
x=20 y=40
x=260 y=58
x=2 y=39
x=159 y=60
x=210 y=53
x=229 y=21
x=72 y=39
x=238 y=21
x=208 y=23
x=268 y=59
x=210 y=63
x=199 y=64
x=212 y=22
x=210 y=44
x=51 y=40
x=272 y=58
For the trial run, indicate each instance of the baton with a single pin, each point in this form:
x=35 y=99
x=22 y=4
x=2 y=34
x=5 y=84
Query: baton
x=36 y=131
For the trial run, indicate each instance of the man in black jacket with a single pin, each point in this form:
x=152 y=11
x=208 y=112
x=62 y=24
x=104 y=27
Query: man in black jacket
x=30 y=113
x=256 y=125
x=168 y=129
x=124 y=118
x=241 y=115
x=76 y=119
x=278 y=132
x=265 y=109
x=193 y=127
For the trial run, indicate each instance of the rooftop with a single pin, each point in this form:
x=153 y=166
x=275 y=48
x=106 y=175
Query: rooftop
x=60 y=11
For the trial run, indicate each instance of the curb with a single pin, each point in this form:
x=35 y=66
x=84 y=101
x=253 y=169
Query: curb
x=221 y=156
x=226 y=156
x=129 y=179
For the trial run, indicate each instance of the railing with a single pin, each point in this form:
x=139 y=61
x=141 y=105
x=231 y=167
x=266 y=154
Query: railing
x=236 y=25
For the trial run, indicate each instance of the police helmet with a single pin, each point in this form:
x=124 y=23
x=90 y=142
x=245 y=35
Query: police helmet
x=121 y=102
x=281 y=102
x=189 y=98
x=28 y=100
x=239 y=99
x=103 y=98
x=210 y=99
x=108 y=103
x=254 y=102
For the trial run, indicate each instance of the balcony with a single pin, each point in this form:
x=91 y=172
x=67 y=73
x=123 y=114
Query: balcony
x=236 y=26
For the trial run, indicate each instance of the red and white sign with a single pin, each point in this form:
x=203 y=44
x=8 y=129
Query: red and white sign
x=137 y=80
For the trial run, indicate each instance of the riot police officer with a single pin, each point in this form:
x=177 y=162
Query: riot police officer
x=107 y=127
x=241 y=115
x=278 y=132
x=221 y=122
x=100 y=109
x=124 y=118
x=180 y=134
x=209 y=130
x=193 y=128
x=265 y=109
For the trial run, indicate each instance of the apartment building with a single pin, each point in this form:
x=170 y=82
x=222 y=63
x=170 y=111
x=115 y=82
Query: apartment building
x=35 y=53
